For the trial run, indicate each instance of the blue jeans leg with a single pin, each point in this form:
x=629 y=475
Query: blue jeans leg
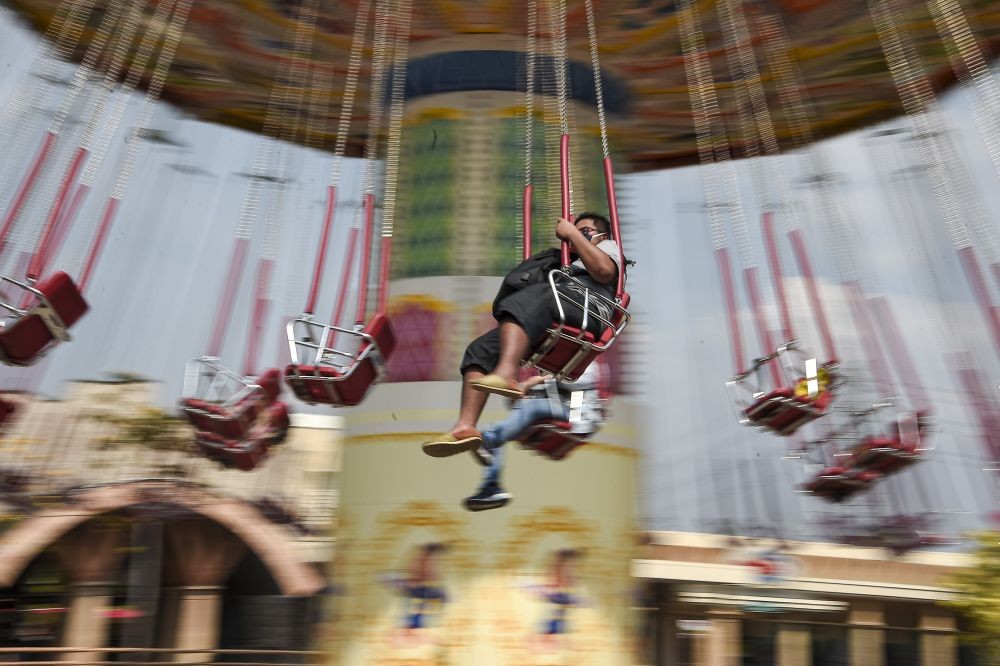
x=523 y=414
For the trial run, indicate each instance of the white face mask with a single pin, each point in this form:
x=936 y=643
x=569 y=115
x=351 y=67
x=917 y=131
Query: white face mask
x=591 y=236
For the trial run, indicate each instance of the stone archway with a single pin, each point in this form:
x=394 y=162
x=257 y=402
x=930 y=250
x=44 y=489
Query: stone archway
x=23 y=542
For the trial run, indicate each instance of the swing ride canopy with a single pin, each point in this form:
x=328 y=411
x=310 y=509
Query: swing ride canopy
x=226 y=61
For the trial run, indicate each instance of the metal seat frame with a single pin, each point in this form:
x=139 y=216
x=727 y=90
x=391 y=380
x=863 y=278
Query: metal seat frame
x=41 y=308
x=303 y=334
x=561 y=331
x=744 y=390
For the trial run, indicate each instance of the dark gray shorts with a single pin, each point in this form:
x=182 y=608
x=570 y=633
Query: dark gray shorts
x=534 y=310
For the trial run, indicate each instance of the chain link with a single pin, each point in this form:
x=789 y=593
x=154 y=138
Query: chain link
x=705 y=113
x=396 y=107
x=918 y=103
x=595 y=61
x=174 y=32
x=970 y=66
x=350 y=89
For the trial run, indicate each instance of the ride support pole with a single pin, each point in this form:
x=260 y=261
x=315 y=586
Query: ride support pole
x=331 y=199
x=225 y=308
x=55 y=213
x=526 y=205
x=763 y=332
x=777 y=277
x=366 y=258
x=616 y=229
x=26 y=186
x=100 y=238
x=729 y=294
x=974 y=275
x=564 y=185
x=802 y=258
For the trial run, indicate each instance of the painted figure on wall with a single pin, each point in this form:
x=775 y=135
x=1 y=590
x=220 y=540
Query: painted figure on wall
x=561 y=594
x=423 y=594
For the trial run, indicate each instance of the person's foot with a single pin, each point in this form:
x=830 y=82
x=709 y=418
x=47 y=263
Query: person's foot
x=482 y=455
x=498 y=385
x=489 y=496
x=453 y=443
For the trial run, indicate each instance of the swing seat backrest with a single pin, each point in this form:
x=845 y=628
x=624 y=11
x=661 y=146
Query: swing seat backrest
x=272 y=425
x=60 y=306
x=570 y=351
x=551 y=438
x=329 y=385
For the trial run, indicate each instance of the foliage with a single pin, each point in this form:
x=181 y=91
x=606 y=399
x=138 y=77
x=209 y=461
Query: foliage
x=150 y=428
x=979 y=587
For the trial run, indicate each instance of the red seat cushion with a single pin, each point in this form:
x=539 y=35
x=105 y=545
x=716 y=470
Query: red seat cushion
x=270 y=382
x=27 y=337
x=244 y=455
x=551 y=438
x=779 y=411
x=325 y=385
x=564 y=350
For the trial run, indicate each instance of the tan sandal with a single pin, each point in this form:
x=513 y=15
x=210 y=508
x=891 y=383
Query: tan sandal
x=498 y=385
x=448 y=444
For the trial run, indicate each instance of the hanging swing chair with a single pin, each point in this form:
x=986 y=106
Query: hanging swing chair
x=557 y=438
x=42 y=310
x=567 y=350
x=238 y=417
x=782 y=411
x=323 y=370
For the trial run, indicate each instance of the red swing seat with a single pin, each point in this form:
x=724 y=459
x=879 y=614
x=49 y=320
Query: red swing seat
x=782 y=412
x=321 y=382
x=551 y=438
x=243 y=455
x=232 y=418
x=567 y=351
x=28 y=333
x=7 y=410
x=839 y=483
x=885 y=455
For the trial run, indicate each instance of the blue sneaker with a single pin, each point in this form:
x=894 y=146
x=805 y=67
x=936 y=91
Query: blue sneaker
x=490 y=496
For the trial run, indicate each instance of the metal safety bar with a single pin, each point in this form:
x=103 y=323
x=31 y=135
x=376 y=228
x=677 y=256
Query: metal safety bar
x=205 y=378
x=304 y=333
x=616 y=322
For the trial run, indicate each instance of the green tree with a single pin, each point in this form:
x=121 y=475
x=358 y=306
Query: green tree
x=979 y=600
x=165 y=437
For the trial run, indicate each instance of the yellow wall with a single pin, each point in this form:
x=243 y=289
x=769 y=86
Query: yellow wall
x=394 y=499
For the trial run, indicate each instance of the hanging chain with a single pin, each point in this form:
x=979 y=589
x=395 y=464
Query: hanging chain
x=970 y=65
x=557 y=27
x=595 y=61
x=705 y=112
x=918 y=101
x=298 y=78
x=396 y=107
x=375 y=102
x=175 y=30
x=529 y=91
x=350 y=89
x=137 y=68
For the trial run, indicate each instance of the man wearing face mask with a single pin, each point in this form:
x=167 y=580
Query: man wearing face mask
x=491 y=361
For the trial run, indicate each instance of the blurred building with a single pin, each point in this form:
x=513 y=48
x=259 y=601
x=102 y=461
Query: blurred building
x=715 y=600
x=111 y=541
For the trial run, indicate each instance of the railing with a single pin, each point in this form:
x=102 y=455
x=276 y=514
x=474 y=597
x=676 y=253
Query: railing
x=62 y=656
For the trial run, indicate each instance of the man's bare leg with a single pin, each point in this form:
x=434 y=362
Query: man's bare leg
x=472 y=402
x=514 y=345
